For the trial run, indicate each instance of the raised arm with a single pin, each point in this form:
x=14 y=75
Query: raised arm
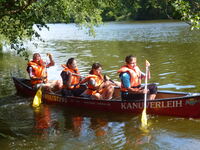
x=52 y=63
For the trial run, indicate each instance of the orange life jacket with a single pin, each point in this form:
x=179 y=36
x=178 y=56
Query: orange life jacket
x=75 y=79
x=91 y=89
x=135 y=76
x=40 y=71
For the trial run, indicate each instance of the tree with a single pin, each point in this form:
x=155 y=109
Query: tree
x=189 y=10
x=17 y=17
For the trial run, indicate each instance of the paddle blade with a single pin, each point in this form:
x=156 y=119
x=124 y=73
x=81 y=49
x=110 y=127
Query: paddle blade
x=147 y=63
x=37 y=99
x=144 y=118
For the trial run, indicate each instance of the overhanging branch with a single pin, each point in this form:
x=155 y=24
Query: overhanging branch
x=17 y=10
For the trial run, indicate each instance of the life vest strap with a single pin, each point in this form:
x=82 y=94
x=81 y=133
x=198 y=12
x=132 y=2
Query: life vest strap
x=92 y=89
x=37 y=79
x=73 y=86
x=136 y=86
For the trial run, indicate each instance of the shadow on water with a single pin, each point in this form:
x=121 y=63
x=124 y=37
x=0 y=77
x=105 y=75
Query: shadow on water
x=10 y=119
x=11 y=108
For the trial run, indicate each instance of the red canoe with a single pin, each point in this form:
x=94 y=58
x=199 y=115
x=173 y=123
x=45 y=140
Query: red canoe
x=178 y=104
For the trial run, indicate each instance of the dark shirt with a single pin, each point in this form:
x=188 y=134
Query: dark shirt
x=65 y=77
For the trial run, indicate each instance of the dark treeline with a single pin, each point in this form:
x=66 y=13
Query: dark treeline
x=140 y=10
x=134 y=10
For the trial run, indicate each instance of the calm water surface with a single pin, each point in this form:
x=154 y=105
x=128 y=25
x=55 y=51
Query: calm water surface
x=171 y=48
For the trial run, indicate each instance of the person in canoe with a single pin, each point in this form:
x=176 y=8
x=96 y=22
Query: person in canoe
x=71 y=78
x=99 y=87
x=37 y=70
x=131 y=77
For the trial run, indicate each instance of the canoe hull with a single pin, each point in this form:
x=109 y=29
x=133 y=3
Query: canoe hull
x=22 y=88
x=183 y=106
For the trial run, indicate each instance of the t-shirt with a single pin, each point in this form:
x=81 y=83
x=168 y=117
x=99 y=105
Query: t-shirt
x=65 y=77
x=125 y=79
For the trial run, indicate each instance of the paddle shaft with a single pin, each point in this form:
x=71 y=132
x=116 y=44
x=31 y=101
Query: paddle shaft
x=145 y=95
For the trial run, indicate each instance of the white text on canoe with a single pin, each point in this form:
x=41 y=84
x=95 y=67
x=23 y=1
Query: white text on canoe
x=168 y=104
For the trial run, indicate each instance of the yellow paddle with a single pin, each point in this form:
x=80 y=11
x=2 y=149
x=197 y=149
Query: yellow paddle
x=144 y=115
x=37 y=98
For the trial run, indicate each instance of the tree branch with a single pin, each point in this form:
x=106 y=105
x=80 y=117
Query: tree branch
x=18 y=10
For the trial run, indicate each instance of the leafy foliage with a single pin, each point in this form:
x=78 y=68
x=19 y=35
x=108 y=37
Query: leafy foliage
x=190 y=11
x=17 y=17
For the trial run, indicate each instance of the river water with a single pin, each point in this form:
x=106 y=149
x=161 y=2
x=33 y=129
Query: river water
x=171 y=48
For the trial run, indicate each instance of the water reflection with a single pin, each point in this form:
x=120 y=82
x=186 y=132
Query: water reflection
x=99 y=126
x=84 y=125
x=83 y=129
x=115 y=132
x=44 y=125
